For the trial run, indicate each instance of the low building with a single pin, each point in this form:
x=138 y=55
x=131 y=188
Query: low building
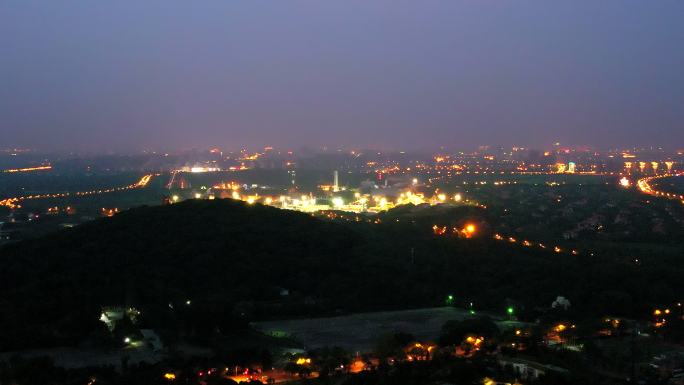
x=528 y=369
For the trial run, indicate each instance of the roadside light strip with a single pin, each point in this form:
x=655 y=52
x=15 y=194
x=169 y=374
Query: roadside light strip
x=13 y=203
x=539 y=245
x=28 y=169
x=645 y=187
x=444 y=230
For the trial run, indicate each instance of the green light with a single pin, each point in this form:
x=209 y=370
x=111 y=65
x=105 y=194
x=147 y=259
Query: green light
x=510 y=310
x=472 y=312
x=450 y=297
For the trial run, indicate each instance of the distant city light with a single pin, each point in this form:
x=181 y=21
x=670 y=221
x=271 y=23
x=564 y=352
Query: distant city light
x=624 y=182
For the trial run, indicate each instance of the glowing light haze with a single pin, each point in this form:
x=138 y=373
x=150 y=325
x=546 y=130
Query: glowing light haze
x=129 y=75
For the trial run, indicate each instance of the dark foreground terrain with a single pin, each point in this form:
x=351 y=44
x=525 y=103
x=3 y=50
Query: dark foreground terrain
x=235 y=262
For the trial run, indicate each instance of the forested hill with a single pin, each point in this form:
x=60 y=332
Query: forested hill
x=181 y=244
x=232 y=261
x=219 y=252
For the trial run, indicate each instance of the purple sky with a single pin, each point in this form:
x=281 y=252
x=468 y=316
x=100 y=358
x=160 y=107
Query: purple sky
x=130 y=75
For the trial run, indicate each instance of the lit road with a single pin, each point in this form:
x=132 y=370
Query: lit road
x=28 y=169
x=14 y=202
x=470 y=230
x=645 y=187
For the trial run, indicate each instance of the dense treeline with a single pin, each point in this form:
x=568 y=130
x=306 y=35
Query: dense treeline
x=232 y=262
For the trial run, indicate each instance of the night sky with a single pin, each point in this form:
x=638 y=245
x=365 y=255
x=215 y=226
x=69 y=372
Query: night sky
x=131 y=75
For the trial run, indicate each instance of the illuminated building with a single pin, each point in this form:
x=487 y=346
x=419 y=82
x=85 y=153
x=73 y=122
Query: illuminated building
x=571 y=167
x=669 y=165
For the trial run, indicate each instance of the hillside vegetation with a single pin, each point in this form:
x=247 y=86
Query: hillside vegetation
x=232 y=262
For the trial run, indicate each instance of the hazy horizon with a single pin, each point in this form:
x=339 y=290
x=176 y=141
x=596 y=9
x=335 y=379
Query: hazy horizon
x=126 y=76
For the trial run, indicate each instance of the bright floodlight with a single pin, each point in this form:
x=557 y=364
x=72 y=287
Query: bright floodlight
x=624 y=182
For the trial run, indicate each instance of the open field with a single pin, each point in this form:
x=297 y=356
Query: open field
x=360 y=332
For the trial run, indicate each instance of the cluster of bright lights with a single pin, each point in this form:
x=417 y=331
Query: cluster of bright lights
x=661 y=315
x=110 y=212
x=360 y=202
x=200 y=169
x=624 y=182
x=468 y=231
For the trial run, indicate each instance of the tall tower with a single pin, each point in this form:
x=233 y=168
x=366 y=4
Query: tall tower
x=336 y=181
